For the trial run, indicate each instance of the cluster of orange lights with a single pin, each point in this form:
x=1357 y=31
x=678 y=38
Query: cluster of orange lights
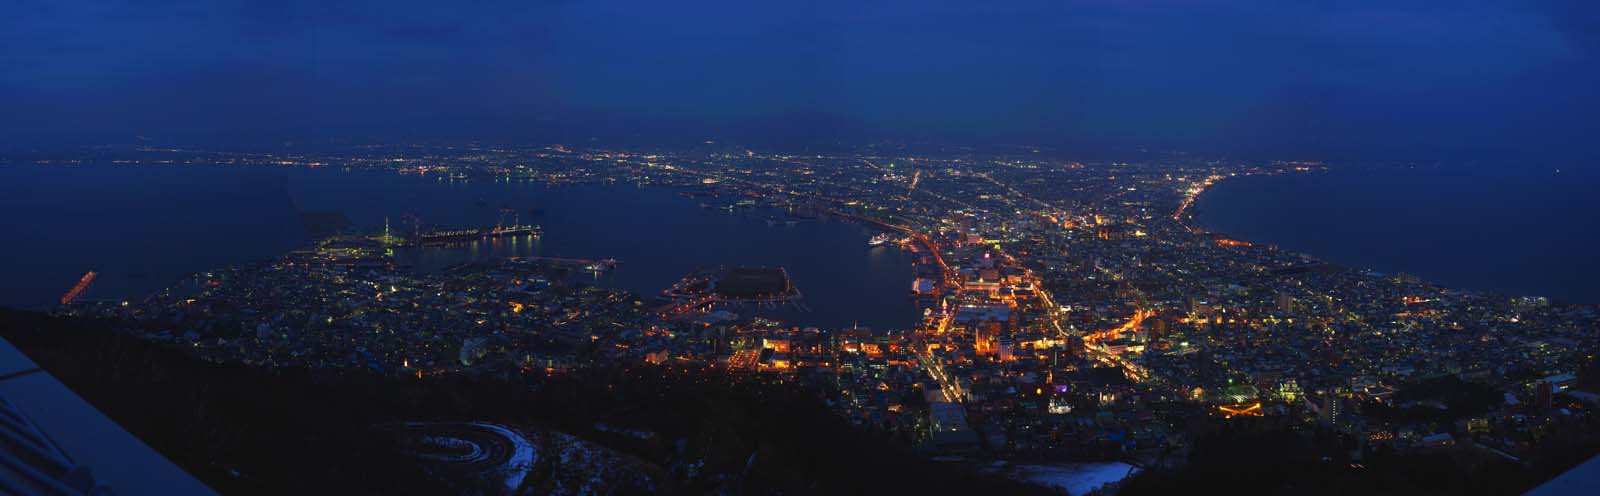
x=1217 y=321
x=1232 y=411
x=1233 y=243
x=1138 y=319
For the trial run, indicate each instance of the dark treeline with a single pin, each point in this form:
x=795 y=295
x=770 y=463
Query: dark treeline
x=250 y=430
x=1260 y=456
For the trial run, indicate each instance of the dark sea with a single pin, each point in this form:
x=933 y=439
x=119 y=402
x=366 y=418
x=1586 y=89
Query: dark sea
x=1513 y=230
x=145 y=227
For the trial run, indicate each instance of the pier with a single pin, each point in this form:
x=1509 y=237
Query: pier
x=77 y=289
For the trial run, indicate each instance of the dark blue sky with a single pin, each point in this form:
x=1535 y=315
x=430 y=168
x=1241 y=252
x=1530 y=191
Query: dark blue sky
x=1387 y=79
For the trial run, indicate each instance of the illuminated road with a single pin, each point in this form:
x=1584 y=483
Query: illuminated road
x=489 y=452
x=949 y=389
x=1195 y=190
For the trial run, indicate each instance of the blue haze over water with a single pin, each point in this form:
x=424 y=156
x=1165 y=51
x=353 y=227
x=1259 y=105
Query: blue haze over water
x=1518 y=231
x=145 y=227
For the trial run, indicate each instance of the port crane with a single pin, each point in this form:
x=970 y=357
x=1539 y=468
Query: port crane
x=516 y=219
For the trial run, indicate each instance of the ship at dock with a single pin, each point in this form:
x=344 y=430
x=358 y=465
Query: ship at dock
x=502 y=229
x=880 y=240
x=448 y=236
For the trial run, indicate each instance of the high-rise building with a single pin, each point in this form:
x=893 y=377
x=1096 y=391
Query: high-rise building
x=1155 y=329
x=1075 y=347
x=1332 y=410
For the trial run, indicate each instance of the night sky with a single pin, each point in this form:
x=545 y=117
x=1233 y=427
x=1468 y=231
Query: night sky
x=1387 y=79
